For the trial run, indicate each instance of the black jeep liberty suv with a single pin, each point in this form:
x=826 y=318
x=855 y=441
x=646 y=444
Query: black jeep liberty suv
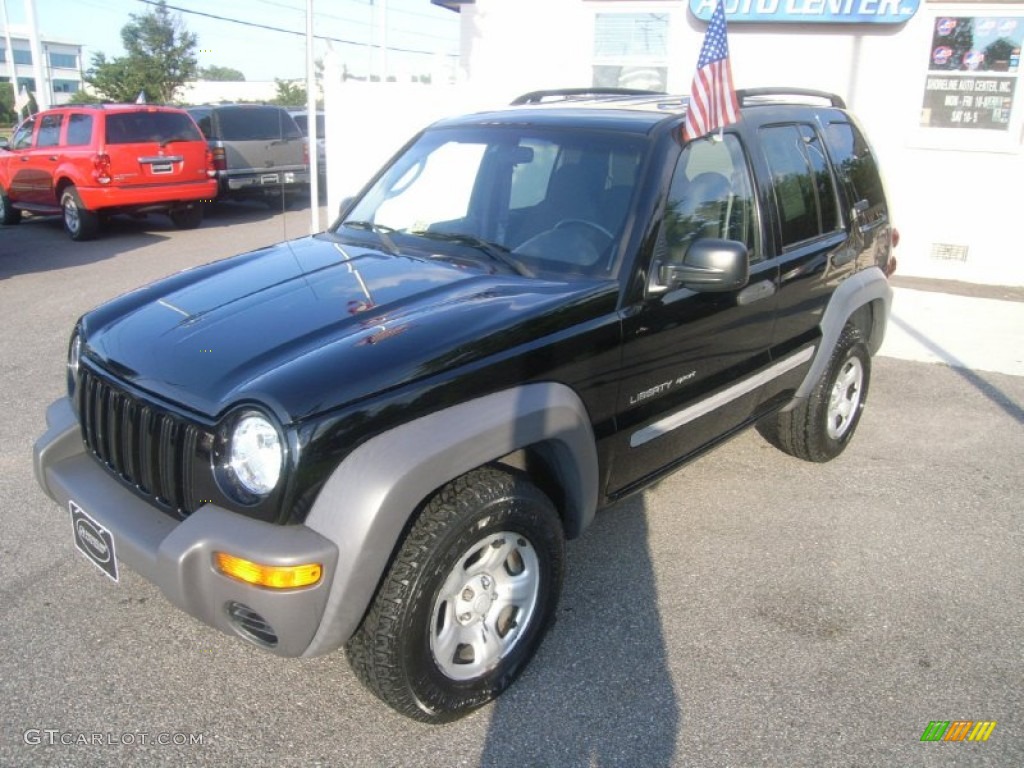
x=381 y=436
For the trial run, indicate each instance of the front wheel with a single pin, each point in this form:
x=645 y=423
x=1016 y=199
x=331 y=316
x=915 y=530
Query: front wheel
x=79 y=223
x=821 y=426
x=467 y=599
x=8 y=213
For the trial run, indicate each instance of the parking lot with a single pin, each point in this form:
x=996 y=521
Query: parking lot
x=750 y=610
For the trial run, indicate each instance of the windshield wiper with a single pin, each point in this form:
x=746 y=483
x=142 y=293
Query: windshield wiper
x=494 y=251
x=380 y=230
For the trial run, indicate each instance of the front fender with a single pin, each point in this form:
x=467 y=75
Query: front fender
x=368 y=500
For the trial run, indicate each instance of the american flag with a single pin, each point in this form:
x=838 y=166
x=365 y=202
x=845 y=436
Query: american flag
x=713 y=101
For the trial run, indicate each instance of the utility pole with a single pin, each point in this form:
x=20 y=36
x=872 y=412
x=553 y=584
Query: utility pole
x=42 y=82
x=311 y=138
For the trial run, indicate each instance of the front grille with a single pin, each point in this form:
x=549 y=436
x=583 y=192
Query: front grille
x=147 y=448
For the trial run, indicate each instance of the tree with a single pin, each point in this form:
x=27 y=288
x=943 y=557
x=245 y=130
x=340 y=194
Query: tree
x=84 y=97
x=224 y=74
x=289 y=94
x=7 y=116
x=160 y=58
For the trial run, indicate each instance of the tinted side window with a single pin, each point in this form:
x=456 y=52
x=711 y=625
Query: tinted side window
x=23 y=136
x=794 y=181
x=137 y=127
x=49 y=131
x=823 y=182
x=241 y=124
x=79 y=130
x=856 y=166
x=711 y=196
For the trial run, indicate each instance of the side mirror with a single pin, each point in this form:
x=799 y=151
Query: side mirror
x=4 y=143
x=710 y=265
x=344 y=205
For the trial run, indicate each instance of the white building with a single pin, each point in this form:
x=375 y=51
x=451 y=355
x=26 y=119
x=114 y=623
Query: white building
x=936 y=84
x=61 y=66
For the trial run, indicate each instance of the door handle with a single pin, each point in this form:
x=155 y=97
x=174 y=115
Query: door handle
x=53 y=157
x=24 y=159
x=755 y=292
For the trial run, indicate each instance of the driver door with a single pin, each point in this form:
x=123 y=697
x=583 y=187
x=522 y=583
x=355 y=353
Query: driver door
x=692 y=360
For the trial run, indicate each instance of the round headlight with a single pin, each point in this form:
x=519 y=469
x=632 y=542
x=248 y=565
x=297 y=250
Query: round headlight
x=74 y=357
x=255 y=455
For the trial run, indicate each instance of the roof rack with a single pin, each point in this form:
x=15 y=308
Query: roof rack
x=563 y=94
x=757 y=93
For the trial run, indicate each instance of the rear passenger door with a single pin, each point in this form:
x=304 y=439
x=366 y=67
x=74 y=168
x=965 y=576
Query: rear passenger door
x=692 y=360
x=811 y=247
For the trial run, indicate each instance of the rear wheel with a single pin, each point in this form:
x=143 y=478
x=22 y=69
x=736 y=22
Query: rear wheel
x=822 y=425
x=467 y=599
x=187 y=217
x=8 y=213
x=79 y=223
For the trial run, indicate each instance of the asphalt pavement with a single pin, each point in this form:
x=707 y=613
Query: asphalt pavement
x=750 y=610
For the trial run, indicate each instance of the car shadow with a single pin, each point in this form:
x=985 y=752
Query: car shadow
x=599 y=692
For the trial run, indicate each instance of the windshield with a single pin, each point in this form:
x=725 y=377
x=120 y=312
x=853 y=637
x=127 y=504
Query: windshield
x=523 y=199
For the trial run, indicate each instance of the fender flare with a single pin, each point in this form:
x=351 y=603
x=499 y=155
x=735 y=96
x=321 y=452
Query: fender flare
x=368 y=500
x=869 y=286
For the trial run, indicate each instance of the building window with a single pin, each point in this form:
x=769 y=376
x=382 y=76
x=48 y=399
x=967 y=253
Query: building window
x=66 y=86
x=631 y=50
x=22 y=57
x=64 y=60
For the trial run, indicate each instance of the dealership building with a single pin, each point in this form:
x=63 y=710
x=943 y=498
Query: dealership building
x=937 y=86
x=59 y=66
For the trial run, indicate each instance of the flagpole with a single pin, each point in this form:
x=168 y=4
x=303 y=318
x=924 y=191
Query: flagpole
x=311 y=138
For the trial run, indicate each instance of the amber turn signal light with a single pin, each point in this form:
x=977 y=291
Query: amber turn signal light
x=272 y=576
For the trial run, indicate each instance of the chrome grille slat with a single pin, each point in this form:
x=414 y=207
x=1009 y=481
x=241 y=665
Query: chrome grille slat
x=148 y=448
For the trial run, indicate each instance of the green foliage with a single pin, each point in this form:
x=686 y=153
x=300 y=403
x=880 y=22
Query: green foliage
x=7 y=115
x=223 y=74
x=160 y=58
x=84 y=97
x=289 y=94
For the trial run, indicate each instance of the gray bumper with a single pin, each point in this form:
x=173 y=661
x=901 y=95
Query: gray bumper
x=270 y=181
x=178 y=556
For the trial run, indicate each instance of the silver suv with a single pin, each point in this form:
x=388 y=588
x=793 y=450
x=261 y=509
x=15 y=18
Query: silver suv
x=258 y=150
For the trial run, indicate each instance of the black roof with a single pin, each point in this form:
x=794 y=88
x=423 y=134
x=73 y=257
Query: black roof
x=623 y=110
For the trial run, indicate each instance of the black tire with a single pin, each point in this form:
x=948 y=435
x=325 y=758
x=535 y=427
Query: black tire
x=478 y=539
x=821 y=427
x=79 y=223
x=187 y=217
x=8 y=213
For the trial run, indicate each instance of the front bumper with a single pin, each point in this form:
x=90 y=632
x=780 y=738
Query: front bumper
x=177 y=556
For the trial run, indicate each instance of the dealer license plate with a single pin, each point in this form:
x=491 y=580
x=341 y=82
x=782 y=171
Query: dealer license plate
x=269 y=178
x=93 y=540
x=161 y=167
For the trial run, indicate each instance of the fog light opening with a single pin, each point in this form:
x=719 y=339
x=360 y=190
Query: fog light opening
x=251 y=625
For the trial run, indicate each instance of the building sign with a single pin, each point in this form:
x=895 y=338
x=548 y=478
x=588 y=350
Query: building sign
x=810 y=11
x=961 y=89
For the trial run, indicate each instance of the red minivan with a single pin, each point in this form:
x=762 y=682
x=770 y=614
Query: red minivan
x=87 y=162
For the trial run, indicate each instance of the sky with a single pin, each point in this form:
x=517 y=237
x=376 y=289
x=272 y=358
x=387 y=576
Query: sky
x=260 y=54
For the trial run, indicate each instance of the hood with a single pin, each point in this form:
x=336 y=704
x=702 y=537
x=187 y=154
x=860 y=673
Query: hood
x=312 y=324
